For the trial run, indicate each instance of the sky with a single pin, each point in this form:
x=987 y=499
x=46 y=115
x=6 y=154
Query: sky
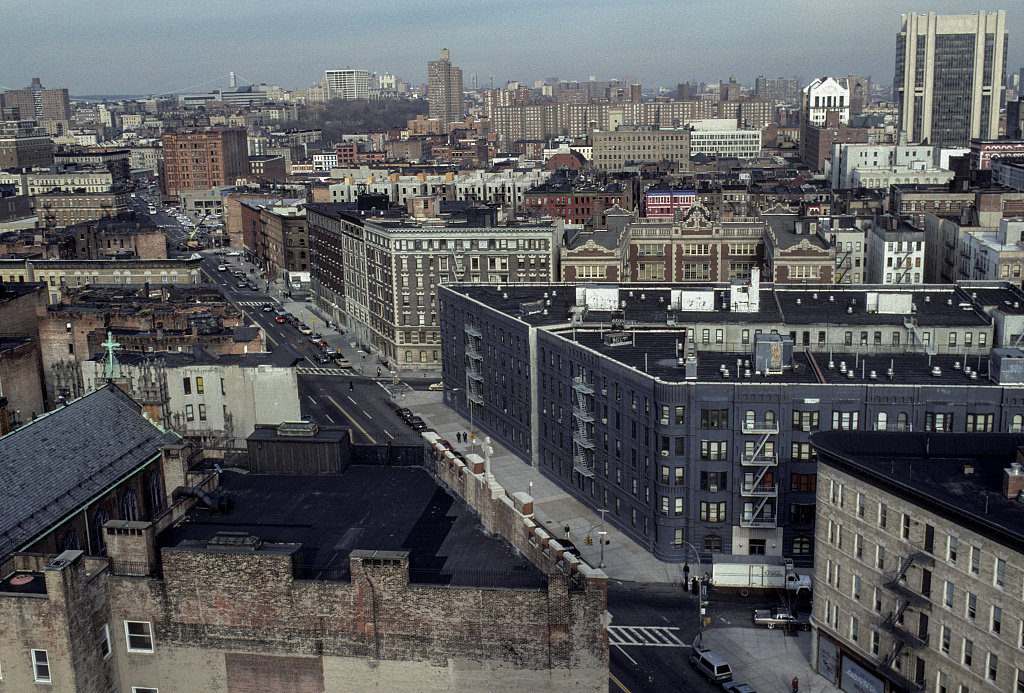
x=157 y=47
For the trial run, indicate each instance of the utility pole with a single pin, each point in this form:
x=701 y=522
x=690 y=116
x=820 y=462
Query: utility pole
x=601 y=533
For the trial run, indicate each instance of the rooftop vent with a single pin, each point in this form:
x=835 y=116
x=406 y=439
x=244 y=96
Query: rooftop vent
x=873 y=375
x=798 y=301
x=968 y=469
x=927 y=298
x=236 y=541
x=849 y=374
x=615 y=339
x=297 y=428
x=949 y=301
x=956 y=366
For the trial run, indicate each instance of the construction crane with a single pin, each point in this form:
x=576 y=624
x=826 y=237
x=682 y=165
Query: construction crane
x=193 y=242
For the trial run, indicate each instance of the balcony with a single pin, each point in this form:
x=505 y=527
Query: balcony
x=582 y=386
x=757 y=520
x=760 y=427
x=582 y=440
x=899 y=587
x=472 y=331
x=583 y=415
x=471 y=352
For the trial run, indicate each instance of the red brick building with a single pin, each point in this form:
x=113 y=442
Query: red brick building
x=203 y=158
x=575 y=203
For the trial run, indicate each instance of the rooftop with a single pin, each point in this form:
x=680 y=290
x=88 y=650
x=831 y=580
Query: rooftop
x=54 y=465
x=380 y=508
x=282 y=357
x=929 y=470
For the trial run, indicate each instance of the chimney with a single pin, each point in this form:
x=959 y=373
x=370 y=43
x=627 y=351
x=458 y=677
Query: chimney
x=1013 y=480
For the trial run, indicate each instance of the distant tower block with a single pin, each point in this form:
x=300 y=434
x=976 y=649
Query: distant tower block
x=231 y=80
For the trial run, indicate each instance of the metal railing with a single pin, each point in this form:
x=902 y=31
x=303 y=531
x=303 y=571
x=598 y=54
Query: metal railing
x=134 y=569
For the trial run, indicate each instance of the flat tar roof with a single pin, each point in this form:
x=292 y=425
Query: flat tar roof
x=367 y=507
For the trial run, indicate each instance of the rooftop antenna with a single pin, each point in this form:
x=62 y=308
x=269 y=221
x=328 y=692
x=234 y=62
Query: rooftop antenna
x=645 y=362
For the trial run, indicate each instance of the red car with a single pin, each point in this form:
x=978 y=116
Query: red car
x=444 y=444
x=281 y=319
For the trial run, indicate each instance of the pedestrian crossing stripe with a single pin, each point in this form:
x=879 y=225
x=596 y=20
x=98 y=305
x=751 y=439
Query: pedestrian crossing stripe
x=314 y=370
x=253 y=304
x=644 y=636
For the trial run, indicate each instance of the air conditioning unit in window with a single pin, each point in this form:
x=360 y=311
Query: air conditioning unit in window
x=604 y=421
x=664 y=422
x=664 y=453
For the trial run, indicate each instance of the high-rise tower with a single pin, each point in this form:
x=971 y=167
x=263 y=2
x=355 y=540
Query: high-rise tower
x=444 y=90
x=950 y=76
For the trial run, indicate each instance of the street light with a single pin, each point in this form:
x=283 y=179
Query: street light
x=701 y=593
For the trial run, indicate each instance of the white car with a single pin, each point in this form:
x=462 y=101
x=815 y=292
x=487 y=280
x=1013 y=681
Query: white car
x=234 y=253
x=222 y=268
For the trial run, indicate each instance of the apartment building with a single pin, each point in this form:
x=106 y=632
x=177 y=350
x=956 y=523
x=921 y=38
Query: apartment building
x=919 y=555
x=895 y=252
x=686 y=411
x=376 y=273
x=203 y=158
x=347 y=84
x=848 y=235
x=631 y=145
x=24 y=145
x=719 y=137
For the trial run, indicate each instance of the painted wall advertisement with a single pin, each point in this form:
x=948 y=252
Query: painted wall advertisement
x=856 y=679
x=828 y=659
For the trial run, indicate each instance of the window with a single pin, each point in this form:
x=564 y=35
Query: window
x=854 y=629
x=997 y=619
x=938 y=421
x=905 y=528
x=803 y=482
x=713 y=449
x=714 y=418
x=880 y=557
x=186 y=384
x=945 y=635
x=202 y=412
x=972 y=606
x=993 y=666
x=980 y=423
x=678 y=507
x=714 y=481
x=975 y=559
x=845 y=420
x=138 y=689
x=199 y=386
x=712 y=511
x=805 y=420
x=999 y=578
x=968 y=655
x=950 y=594
x=855 y=585
x=41 y=666
x=875 y=642
x=861 y=504
x=189 y=413
x=712 y=543
x=139 y=636
x=802 y=546
x=951 y=549
x=883 y=515
x=105 y=641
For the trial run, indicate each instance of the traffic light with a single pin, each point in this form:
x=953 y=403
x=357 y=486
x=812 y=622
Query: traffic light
x=587 y=541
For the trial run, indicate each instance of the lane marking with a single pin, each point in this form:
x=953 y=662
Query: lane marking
x=617 y=682
x=352 y=400
x=354 y=422
x=388 y=433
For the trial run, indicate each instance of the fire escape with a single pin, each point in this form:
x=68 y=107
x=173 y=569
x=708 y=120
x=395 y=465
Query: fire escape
x=844 y=264
x=758 y=487
x=474 y=368
x=583 y=427
x=904 y=599
x=458 y=266
x=903 y=264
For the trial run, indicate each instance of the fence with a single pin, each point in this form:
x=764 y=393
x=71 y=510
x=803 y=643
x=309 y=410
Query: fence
x=134 y=569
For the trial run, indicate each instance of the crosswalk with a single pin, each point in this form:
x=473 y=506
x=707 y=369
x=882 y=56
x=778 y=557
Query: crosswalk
x=252 y=304
x=644 y=636
x=316 y=370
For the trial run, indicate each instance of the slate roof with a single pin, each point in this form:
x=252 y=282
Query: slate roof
x=54 y=465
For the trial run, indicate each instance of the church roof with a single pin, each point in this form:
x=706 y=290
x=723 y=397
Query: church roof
x=60 y=462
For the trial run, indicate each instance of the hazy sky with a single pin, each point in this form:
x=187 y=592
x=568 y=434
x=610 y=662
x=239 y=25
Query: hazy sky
x=148 y=47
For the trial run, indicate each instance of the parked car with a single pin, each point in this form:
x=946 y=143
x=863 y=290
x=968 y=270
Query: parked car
x=342 y=361
x=304 y=328
x=779 y=618
x=733 y=687
x=222 y=268
x=416 y=423
x=280 y=319
x=711 y=665
x=436 y=386
x=444 y=444
x=323 y=358
x=404 y=414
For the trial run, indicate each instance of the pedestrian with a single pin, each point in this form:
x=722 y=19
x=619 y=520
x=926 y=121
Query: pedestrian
x=796 y=685
x=567 y=531
x=686 y=573
x=350 y=385
x=458 y=437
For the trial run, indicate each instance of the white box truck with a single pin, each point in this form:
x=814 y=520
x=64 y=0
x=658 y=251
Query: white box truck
x=747 y=573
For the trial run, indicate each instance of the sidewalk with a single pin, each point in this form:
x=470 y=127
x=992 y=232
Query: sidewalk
x=554 y=508
x=767 y=659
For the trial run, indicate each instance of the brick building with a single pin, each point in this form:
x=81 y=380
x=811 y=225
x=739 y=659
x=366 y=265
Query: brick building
x=576 y=202
x=332 y=604
x=21 y=379
x=132 y=233
x=697 y=246
x=24 y=145
x=146 y=318
x=794 y=251
x=919 y=560
x=203 y=158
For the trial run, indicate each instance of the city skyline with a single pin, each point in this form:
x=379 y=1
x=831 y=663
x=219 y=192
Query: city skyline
x=145 y=53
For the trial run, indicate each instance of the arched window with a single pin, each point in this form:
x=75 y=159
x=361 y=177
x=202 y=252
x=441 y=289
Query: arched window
x=769 y=417
x=1017 y=424
x=881 y=422
x=71 y=540
x=712 y=543
x=901 y=421
x=749 y=419
x=129 y=508
x=155 y=491
x=100 y=518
